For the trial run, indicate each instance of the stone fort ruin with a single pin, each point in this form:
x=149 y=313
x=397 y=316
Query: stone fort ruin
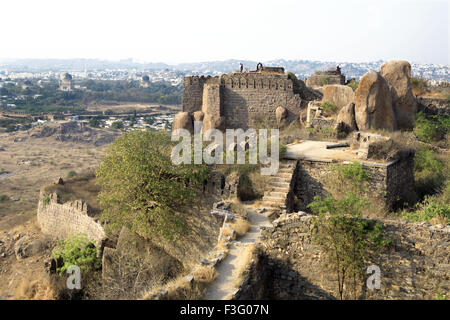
x=239 y=99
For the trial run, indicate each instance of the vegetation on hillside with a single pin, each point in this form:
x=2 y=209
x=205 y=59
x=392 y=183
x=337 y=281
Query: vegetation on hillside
x=142 y=189
x=48 y=98
x=348 y=240
x=78 y=251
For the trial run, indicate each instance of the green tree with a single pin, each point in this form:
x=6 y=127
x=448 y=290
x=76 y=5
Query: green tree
x=348 y=240
x=79 y=251
x=142 y=189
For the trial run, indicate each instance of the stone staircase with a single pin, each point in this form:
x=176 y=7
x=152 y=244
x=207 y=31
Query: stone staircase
x=278 y=194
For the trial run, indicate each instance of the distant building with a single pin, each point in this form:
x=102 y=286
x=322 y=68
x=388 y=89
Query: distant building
x=65 y=84
x=145 y=81
x=26 y=84
x=321 y=78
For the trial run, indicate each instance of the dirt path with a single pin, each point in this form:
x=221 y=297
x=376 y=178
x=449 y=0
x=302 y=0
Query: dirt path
x=228 y=270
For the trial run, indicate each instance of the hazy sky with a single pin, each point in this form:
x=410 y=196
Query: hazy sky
x=203 y=30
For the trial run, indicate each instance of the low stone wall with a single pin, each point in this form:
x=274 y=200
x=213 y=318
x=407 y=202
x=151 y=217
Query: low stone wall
x=60 y=220
x=292 y=266
x=389 y=182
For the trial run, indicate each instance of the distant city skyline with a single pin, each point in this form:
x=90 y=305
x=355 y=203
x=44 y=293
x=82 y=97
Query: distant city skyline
x=176 y=32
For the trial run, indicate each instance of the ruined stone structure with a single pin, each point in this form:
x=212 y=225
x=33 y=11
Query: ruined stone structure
x=389 y=182
x=240 y=100
x=61 y=220
x=321 y=78
x=65 y=84
x=290 y=264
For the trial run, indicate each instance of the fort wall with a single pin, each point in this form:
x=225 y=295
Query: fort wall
x=388 y=182
x=61 y=220
x=241 y=99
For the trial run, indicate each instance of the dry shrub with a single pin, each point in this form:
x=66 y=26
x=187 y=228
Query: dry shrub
x=35 y=290
x=238 y=208
x=44 y=288
x=240 y=226
x=228 y=232
x=245 y=260
x=179 y=289
x=205 y=274
x=295 y=131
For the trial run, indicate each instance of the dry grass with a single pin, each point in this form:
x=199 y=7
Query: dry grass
x=35 y=290
x=205 y=274
x=240 y=226
x=238 y=208
x=245 y=260
x=228 y=232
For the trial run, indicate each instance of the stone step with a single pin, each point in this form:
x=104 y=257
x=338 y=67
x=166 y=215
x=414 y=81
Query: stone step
x=278 y=188
x=279 y=183
x=284 y=175
x=280 y=179
x=274 y=198
x=276 y=194
x=270 y=205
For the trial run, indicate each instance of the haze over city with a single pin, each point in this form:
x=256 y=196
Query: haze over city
x=189 y=31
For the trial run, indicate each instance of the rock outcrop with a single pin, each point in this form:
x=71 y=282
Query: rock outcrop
x=183 y=120
x=345 y=121
x=338 y=95
x=398 y=74
x=373 y=103
x=281 y=114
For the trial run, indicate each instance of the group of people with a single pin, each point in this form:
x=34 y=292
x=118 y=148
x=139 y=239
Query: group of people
x=258 y=67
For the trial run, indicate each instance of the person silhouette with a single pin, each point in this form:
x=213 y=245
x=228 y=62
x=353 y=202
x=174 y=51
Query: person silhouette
x=241 y=66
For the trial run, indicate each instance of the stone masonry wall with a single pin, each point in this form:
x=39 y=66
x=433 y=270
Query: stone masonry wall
x=250 y=97
x=389 y=182
x=193 y=93
x=416 y=265
x=242 y=99
x=60 y=220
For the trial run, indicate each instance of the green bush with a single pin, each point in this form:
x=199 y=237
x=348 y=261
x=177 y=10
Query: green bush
x=142 y=189
x=78 y=251
x=328 y=108
x=3 y=197
x=427 y=130
x=428 y=172
x=71 y=174
x=353 y=84
x=324 y=81
x=349 y=241
x=46 y=200
x=117 y=125
x=431 y=207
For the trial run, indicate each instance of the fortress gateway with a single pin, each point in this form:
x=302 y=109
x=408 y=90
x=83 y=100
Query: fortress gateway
x=241 y=99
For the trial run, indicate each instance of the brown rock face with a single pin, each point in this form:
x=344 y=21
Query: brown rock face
x=346 y=118
x=281 y=115
x=183 y=120
x=338 y=95
x=198 y=116
x=373 y=103
x=398 y=74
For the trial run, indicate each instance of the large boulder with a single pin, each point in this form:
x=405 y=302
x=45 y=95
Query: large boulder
x=373 y=103
x=183 y=120
x=398 y=74
x=338 y=95
x=345 y=121
x=281 y=114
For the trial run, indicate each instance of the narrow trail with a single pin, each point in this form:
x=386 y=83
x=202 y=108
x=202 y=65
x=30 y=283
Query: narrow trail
x=228 y=269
